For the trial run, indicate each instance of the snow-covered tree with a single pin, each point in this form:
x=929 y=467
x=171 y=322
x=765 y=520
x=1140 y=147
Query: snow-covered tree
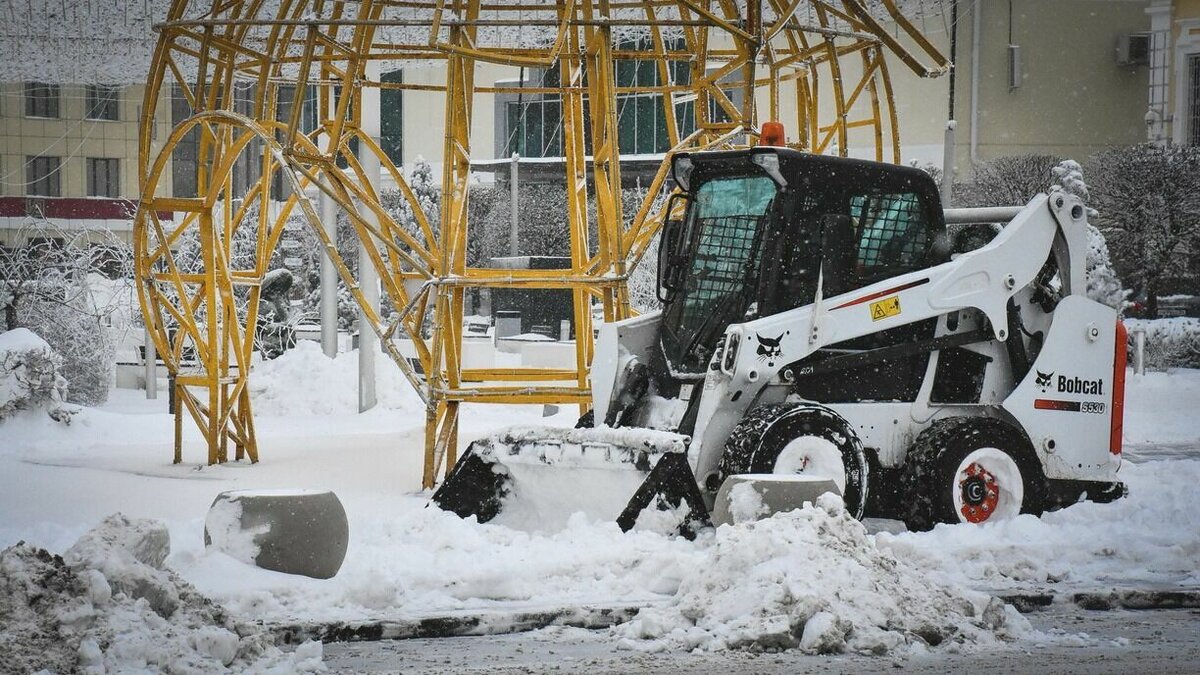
x=934 y=171
x=47 y=285
x=1149 y=202
x=1103 y=285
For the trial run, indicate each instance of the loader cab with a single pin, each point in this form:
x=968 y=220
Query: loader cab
x=762 y=227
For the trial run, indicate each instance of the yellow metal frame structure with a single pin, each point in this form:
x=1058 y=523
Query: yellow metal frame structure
x=825 y=61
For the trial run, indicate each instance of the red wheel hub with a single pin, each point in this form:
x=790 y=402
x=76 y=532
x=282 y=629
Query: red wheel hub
x=980 y=493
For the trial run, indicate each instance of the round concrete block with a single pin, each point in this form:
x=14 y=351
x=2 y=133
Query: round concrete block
x=292 y=531
x=750 y=496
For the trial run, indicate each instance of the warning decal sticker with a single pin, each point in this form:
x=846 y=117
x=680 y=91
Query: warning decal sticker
x=885 y=308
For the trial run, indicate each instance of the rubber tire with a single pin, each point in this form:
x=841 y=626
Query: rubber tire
x=927 y=482
x=762 y=434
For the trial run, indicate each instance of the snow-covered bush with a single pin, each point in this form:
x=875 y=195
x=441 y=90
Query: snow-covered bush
x=49 y=285
x=1170 y=343
x=1007 y=181
x=87 y=350
x=1149 y=202
x=1103 y=285
x=30 y=374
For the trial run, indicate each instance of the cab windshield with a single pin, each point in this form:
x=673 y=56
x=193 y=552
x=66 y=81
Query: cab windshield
x=725 y=227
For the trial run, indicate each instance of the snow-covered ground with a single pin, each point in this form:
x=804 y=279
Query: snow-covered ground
x=407 y=561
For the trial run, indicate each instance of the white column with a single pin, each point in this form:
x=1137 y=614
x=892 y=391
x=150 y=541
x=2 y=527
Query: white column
x=948 y=164
x=368 y=278
x=329 y=285
x=514 y=210
x=151 y=367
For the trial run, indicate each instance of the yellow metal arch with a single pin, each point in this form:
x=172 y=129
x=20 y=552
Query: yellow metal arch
x=233 y=61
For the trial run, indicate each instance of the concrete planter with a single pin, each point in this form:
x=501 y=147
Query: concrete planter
x=291 y=531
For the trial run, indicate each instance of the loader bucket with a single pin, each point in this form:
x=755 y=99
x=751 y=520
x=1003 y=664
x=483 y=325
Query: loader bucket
x=535 y=478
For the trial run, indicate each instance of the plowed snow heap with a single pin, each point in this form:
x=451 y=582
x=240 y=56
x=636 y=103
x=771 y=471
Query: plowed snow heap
x=109 y=605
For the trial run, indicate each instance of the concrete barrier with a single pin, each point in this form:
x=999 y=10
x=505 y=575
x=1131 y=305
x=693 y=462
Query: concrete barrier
x=751 y=496
x=292 y=531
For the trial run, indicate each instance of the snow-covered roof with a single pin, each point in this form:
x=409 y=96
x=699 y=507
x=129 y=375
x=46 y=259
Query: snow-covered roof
x=86 y=41
x=112 y=41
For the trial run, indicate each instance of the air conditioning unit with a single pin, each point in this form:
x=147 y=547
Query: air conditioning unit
x=1014 y=67
x=1133 y=49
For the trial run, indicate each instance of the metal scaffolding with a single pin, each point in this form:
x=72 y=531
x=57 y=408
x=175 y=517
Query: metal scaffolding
x=821 y=63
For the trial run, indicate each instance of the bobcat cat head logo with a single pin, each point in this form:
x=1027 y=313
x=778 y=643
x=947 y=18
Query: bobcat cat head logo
x=769 y=349
x=1043 y=379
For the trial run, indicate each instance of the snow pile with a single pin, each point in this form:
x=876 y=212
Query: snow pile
x=1156 y=412
x=29 y=373
x=814 y=579
x=304 y=381
x=1150 y=539
x=108 y=605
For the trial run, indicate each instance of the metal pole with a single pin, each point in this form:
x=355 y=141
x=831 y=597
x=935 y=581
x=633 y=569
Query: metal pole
x=368 y=278
x=329 y=313
x=1139 y=351
x=948 y=164
x=513 y=245
x=975 y=40
x=151 y=367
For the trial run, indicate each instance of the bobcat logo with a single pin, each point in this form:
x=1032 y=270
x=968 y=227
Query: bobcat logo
x=769 y=349
x=1044 y=379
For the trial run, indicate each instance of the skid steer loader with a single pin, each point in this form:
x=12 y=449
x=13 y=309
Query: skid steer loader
x=820 y=324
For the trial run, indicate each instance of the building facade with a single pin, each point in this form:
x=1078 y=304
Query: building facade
x=68 y=153
x=1173 y=112
x=1030 y=77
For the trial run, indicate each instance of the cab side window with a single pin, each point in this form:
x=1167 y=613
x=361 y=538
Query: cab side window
x=893 y=234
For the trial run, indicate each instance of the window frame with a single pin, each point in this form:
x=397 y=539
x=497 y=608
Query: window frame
x=51 y=177
x=871 y=222
x=112 y=177
x=103 y=98
x=43 y=101
x=1191 y=79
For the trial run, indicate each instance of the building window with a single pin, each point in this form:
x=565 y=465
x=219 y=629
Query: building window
x=1193 y=97
x=104 y=259
x=42 y=176
x=102 y=102
x=285 y=96
x=534 y=122
x=185 y=161
x=391 y=118
x=103 y=177
x=247 y=167
x=41 y=100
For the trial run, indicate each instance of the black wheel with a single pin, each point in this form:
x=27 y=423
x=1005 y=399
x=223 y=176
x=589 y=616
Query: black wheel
x=970 y=470
x=800 y=438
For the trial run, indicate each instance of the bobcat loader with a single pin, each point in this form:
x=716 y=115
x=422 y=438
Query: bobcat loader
x=820 y=324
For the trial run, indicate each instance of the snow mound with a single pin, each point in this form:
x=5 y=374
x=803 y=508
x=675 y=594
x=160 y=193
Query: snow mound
x=109 y=606
x=304 y=381
x=22 y=339
x=29 y=374
x=813 y=579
